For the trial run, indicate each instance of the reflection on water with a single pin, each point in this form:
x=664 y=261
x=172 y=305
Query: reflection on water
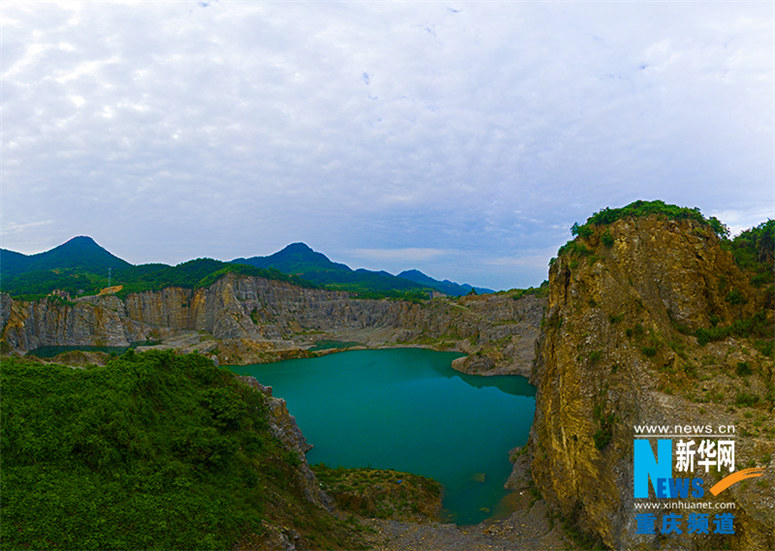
x=516 y=386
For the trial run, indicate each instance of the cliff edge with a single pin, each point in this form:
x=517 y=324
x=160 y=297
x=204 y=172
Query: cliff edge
x=651 y=321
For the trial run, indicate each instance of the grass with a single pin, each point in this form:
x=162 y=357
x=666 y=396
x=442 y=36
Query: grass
x=384 y=494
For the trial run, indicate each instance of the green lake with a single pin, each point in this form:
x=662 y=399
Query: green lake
x=406 y=409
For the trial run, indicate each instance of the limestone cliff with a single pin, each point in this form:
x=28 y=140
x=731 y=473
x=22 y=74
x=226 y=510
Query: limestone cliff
x=250 y=319
x=52 y=321
x=620 y=348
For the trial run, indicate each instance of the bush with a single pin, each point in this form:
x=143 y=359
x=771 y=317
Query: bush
x=745 y=399
x=743 y=369
x=646 y=208
x=607 y=239
x=756 y=325
x=735 y=297
x=151 y=451
x=649 y=351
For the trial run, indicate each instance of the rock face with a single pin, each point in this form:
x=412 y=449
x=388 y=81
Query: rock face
x=284 y=428
x=249 y=317
x=618 y=349
x=51 y=321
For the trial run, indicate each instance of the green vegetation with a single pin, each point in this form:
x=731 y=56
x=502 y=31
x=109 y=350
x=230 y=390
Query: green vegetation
x=81 y=267
x=647 y=208
x=376 y=493
x=755 y=248
x=607 y=239
x=153 y=451
x=603 y=435
x=743 y=369
x=755 y=326
x=754 y=251
x=540 y=291
x=300 y=260
x=447 y=287
x=745 y=399
x=571 y=528
x=637 y=209
x=134 y=279
x=735 y=297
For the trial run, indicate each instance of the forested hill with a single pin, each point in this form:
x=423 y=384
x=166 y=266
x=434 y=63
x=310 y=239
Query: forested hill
x=82 y=267
x=93 y=459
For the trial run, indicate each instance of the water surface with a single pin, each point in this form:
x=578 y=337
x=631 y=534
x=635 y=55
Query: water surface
x=408 y=410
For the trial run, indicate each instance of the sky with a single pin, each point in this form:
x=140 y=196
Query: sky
x=462 y=139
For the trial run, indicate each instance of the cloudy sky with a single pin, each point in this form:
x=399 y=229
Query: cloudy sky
x=462 y=139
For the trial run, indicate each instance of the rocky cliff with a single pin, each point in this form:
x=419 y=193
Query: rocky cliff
x=650 y=322
x=248 y=319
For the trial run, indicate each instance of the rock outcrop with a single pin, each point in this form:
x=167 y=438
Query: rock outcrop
x=244 y=319
x=284 y=428
x=619 y=348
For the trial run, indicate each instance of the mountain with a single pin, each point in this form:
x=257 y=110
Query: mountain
x=447 y=287
x=296 y=258
x=81 y=266
x=81 y=253
x=300 y=260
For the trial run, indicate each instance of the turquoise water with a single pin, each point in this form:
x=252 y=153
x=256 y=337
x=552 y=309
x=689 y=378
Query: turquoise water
x=51 y=351
x=408 y=410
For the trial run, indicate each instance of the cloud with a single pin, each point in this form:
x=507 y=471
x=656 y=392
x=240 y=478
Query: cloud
x=238 y=128
x=536 y=260
x=738 y=221
x=14 y=227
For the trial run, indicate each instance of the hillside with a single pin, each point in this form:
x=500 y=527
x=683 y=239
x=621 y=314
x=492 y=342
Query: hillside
x=300 y=260
x=654 y=318
x=447 y=287
x=82 y=267
x=79 y=252
x=93 y=459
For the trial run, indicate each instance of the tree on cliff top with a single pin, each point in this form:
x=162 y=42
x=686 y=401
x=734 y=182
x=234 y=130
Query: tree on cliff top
x=640 y=208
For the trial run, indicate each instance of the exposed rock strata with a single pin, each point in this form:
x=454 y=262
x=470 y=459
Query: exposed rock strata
x=618 y=350
x=250 y=319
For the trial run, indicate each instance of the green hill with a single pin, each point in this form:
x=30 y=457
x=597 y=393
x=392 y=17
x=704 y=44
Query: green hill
x=296 y=258
x=81 y=253
x=152 y=451
x=300 y=260
x=447 y=287
x=81 y=266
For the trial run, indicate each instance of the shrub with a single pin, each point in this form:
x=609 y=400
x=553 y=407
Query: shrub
x=735 y=297
x=745 y=399
x=743 y=368
x=151 y=451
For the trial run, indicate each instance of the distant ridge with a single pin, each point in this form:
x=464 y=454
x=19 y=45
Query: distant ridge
x=81 y=266
x=447 y=287
x=296 y=258
x=300 y=260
